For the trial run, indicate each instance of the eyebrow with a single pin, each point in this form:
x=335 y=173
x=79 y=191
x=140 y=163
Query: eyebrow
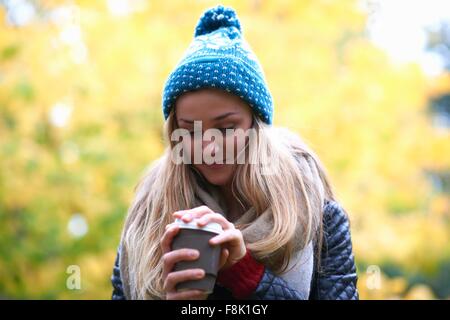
x=222 y=116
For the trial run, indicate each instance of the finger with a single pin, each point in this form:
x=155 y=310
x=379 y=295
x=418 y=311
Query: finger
x=199 y=296
x=187 y=295
x=169 y=225
x=167 y=238
x=176 y=277
x=180 y=213
x=172 y=257
x=223 y=257
x=226 y=236
x=196 y=213
x=188 y=215
x=215 y=217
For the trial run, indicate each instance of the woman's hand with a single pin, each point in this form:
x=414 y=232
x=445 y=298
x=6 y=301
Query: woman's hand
x=171 y=279
x=231 y=240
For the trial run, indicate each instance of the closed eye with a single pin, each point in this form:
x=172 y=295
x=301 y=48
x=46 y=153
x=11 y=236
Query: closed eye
x=224 y=130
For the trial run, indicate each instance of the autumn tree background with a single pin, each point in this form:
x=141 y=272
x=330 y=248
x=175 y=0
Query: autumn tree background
x=80 y=119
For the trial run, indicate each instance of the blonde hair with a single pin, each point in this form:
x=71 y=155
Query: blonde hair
x=295 y=194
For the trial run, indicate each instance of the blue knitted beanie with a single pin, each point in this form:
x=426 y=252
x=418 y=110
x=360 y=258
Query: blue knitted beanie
x=219 y=57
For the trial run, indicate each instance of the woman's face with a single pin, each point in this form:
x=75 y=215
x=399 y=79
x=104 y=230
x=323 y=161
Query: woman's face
x=215 y=109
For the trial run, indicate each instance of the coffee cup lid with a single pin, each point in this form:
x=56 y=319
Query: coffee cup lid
x=211 y=227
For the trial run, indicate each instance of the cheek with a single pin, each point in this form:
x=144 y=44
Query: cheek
x=234 y=145
x=239 y=143
x=188 y=148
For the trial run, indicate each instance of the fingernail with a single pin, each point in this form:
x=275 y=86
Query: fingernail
x=200 y=274
x=186 y=216
x=193 y=253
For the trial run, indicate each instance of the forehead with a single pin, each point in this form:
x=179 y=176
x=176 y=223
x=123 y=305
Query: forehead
x=209 y=103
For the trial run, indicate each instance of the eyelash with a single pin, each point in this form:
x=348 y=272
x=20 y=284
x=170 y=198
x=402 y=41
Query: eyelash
x=223 y=130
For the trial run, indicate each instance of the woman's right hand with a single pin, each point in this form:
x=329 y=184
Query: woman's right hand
x=171 y=279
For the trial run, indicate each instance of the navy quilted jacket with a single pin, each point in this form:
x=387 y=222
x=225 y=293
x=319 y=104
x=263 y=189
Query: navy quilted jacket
x=336 y=279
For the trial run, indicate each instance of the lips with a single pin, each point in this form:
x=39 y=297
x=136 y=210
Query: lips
x=214 y=165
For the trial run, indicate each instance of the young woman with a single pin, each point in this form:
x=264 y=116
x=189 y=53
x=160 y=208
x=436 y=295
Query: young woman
x=285 y=236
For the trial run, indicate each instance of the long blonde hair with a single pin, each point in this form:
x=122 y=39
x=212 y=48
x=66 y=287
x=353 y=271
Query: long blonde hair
x=295 y=194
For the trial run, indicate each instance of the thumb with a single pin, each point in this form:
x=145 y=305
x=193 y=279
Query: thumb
x=223 y=257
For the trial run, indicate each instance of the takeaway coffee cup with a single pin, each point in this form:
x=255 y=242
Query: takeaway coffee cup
x=192 y=236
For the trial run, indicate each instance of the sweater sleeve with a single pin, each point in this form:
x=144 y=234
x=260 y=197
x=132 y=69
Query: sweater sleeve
x=243 y=277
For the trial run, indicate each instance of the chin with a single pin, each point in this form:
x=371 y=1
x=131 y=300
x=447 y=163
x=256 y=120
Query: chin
x=217 y=176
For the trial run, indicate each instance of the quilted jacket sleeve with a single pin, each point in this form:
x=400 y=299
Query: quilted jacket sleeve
x=116 y=281
x=337 y=278
x=272 y=287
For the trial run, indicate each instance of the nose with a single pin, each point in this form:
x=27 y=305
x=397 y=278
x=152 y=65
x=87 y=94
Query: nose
x=210 y=147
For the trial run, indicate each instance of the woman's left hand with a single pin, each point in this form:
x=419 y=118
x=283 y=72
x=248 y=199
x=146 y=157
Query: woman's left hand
x=231 y=239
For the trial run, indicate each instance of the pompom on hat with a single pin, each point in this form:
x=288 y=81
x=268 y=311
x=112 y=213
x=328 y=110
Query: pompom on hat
x=219 y=57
